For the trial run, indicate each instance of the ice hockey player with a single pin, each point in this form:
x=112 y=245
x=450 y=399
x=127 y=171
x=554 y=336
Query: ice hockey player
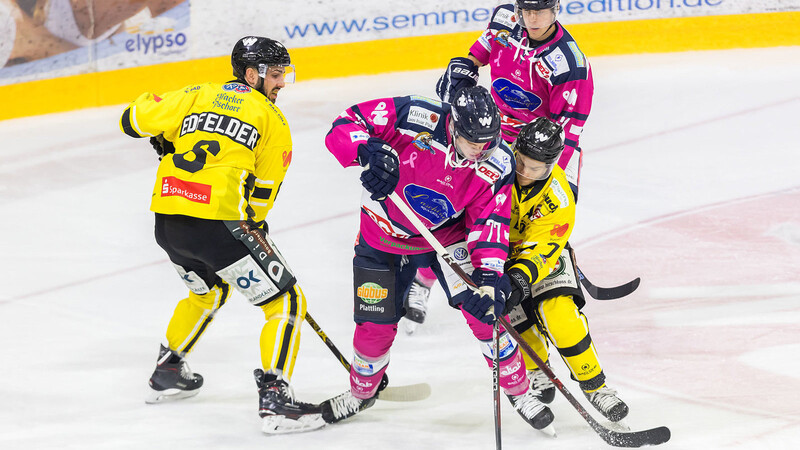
x=448 y=163
x=537 y=70
x=225 y=149
x=542 y=270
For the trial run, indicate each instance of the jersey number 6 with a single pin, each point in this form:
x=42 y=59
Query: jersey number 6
x=199 y=151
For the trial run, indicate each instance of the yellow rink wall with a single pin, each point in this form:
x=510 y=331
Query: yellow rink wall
x=400 y=54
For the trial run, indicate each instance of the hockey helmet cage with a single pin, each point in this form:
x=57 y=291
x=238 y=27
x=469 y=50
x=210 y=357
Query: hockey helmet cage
x=259 y=52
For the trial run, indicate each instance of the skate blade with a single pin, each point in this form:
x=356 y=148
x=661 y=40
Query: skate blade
x=284 y=425
x=549 y=430
x=168 y=395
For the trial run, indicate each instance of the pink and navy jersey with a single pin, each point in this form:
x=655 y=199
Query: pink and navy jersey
x=550 y=80
x=456 y=201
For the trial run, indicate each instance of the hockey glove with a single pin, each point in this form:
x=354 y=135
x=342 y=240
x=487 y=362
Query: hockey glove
x=520 y=289
x=381 y=168
x=491 y=298
x=461 y=72
x=161 y=146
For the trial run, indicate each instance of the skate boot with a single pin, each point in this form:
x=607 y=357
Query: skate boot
x=416 y=305
x=541 y=385
x=172 y=379
x=343 y=406
x=606 y=401
x=533 y=411
x=279 y=411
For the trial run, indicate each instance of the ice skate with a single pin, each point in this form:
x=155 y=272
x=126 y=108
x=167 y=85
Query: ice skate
x=343 y=406
x=172 y=379
x=279 y=411
x=416 y=305
x=541 y=385
x=533 y=411
x=606 y=401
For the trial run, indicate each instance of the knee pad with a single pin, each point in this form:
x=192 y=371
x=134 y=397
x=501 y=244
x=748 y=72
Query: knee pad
x=193 y=315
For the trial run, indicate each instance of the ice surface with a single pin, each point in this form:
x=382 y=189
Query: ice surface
x=690 y=180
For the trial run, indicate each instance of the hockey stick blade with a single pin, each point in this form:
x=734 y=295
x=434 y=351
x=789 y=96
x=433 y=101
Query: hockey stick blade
x=633 y=439
x=406 y=393
x=611 y=293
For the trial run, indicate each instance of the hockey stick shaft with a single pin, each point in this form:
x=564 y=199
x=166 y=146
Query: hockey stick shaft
x=496 y=386
x=653 y=436
x=405 y=393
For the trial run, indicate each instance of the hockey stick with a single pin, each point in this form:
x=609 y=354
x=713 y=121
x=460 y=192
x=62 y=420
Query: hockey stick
x=407 y=393
x=496 y=385
x=610 y=293
x=652 y=436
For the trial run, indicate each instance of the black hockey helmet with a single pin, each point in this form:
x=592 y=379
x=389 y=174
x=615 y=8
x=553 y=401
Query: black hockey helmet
x=540 y=140
x=259 y=52
x=536 y=4
x=476 y=118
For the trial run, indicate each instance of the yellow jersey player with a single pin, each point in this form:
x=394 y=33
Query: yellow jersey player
x=225 y=149
x=543 y=273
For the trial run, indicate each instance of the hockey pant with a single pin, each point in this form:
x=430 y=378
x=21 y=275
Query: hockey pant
x=210 y=253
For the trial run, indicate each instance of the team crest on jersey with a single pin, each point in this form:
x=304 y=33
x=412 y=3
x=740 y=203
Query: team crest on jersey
x=236 y=87
x=422 y=141
x=515 y=96
x=429 y=204
x=502 y=38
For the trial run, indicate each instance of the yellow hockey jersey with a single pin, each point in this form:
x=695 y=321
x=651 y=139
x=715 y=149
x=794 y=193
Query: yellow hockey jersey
x=232 y=150
x=542 y=218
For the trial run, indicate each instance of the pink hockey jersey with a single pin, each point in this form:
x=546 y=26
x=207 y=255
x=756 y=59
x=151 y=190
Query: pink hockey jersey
x=552 y=80
x=467 y=201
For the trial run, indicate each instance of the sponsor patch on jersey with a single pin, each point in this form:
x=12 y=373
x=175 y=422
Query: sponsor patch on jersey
x=506 y=18
x=426 y=100
x=356 y=136
x=429 y=204
x=493 y=264
x=558 y=62
x=488 y=173
x=542 y=70
x=515 y=96
x=560 y=193
x=558 y=269
x=424 y=117
x=559 y=230
x=236 y=87
x=194 y=192
x=580 y=60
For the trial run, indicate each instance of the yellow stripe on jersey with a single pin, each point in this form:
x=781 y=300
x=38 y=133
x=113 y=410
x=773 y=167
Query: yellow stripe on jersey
x=223 y=134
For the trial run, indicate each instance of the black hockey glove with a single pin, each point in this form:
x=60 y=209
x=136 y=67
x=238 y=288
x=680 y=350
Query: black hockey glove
x=381 y=168
x=494 y=291
x=520 y=289
x=162 y=146
x=461 y=72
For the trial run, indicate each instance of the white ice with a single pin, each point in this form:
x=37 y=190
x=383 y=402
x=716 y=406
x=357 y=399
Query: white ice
x=690 y=180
